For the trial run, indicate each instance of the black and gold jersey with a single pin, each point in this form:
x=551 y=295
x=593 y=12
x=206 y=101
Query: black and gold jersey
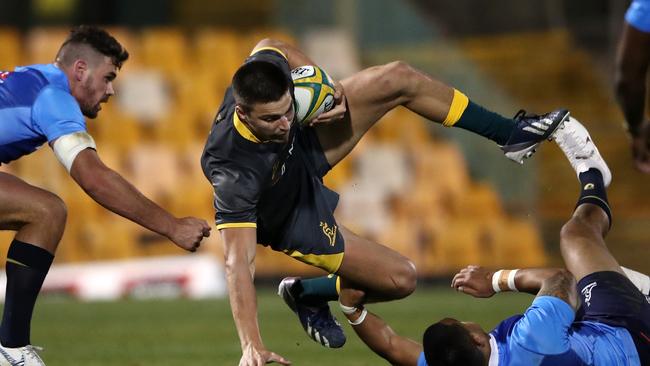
x=276 y=188
x=240 y=166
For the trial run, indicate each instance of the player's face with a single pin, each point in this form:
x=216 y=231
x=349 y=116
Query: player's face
x=97 y=86
x=271 y=122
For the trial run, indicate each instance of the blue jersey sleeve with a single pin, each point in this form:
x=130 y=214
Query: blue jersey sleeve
x=638 y=15
x=56 y=113
x=421 y=360
x=544 y=327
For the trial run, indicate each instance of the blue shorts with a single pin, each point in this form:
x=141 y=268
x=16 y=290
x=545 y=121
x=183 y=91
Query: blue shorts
x=611 y=298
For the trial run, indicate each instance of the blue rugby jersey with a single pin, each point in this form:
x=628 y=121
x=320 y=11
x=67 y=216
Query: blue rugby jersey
x=546 y=335
x=35 y=107
x=638 y=15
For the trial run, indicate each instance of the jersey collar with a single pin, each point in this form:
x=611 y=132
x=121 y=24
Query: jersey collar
x=243 y=130
x=494 y=352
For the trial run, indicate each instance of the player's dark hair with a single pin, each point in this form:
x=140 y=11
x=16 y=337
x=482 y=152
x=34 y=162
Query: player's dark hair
x=450 y=345
x=258 y=82
x=100 y=41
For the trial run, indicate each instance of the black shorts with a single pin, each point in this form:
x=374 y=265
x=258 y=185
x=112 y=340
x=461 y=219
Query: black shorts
x=611 y=298
x=311 y=233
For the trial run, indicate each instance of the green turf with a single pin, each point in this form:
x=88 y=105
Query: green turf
x=183 y=332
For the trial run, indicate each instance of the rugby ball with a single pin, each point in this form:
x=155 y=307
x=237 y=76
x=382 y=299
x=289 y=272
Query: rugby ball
x=313 y=92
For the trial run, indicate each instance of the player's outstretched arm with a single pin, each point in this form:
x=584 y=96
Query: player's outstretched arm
x=239 y=254
x=632 y=62
x=481 y=282
x=383 y=340
x=112 y=191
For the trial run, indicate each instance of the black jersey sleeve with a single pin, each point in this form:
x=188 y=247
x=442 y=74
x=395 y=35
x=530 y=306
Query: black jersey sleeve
x=236 y=193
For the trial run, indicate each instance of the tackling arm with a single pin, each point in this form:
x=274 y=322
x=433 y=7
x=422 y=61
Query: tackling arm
x=383 y=340
x=632 y=62
x=477 y=281
x=112 y=191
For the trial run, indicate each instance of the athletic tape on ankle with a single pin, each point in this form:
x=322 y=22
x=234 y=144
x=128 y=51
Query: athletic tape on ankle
x=360 y=319
x=347 y=310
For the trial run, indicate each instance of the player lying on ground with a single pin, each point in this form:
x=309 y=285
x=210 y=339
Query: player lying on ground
x=47 y=103
x=608 y=325
x=267 y=176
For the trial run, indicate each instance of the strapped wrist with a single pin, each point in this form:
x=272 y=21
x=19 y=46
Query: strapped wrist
x=504 y=280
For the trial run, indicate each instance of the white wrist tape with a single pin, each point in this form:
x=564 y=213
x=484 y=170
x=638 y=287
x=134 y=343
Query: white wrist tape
x=67 y=147
x=347 y=310
x=495 y=280
x=360 y=319
x=503 y=278
x=511 y=280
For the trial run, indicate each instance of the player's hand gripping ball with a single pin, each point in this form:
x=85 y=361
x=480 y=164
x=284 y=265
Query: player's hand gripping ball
x=314 y=92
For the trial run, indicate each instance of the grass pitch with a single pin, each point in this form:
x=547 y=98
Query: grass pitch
x=184 y=332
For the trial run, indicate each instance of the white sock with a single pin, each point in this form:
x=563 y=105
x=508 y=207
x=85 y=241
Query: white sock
x=641 y=281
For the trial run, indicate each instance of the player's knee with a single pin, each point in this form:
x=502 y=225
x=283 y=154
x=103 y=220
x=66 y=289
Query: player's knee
x=397 y=77
x=570 y=229
x=580 y=225
x=51 y=209
x=406 y=280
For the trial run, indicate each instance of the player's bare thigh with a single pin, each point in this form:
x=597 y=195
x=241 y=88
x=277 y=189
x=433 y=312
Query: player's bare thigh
x=368 y=99
x=38 y=215
x=379 y=271
x=373 y=92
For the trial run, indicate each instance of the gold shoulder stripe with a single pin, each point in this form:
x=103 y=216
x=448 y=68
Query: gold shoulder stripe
x=268 y=48
x=231 y=225
x=243 y=130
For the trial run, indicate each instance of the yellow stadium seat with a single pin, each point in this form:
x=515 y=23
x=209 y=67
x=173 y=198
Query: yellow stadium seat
x=11 y=53
x=43 y=44
x=166 y=49
x=480 y=201
x=458 y=244
x=519 y=245
x=220 y=50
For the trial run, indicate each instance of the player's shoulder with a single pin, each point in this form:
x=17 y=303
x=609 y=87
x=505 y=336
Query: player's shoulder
x=47 y=74
x=267 y=50
x=272 y=55
x=232 y=149
x=638 y=15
